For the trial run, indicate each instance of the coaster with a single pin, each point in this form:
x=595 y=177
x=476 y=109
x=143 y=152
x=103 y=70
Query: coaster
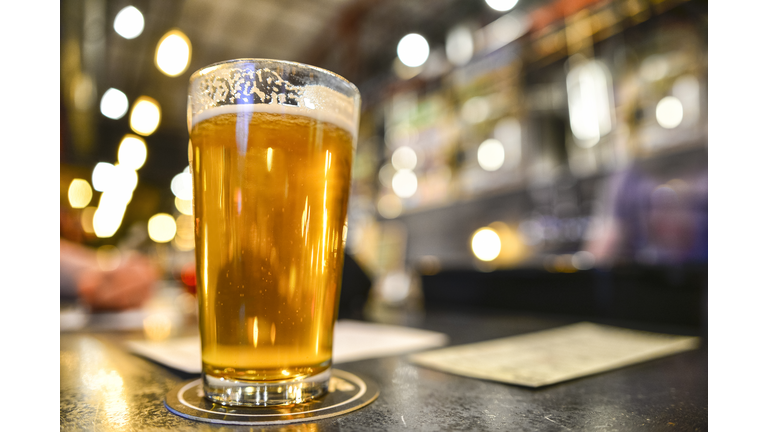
x=346 y=393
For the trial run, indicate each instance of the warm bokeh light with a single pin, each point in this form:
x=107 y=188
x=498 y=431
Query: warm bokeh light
x=404 y=158
x=132 y=152
x=183 y=244
x=129 y=22
x=185 y=233
x=181 y=185
x=80 y=193
x=413 y=50
x=490 y=155
x=123 y=179
x=459 y=45
x=145 y=116
x=590 y=101
x=389 y=206
x=86 y=219
x=108 y=257
x=173 y=53
x=109 y=214
x=669 y=112
x=404 y=183
x=501 y=5
x=486 y=244
x=161 y=228
x=183 y=206
x=157 y=327
x=114 y=104
x=102 y=176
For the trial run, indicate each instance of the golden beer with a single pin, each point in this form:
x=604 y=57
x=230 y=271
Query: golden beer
x=271 y=157
x=271 y=195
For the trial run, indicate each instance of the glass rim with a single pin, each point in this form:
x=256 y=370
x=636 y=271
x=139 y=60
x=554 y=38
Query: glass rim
x=203 y=70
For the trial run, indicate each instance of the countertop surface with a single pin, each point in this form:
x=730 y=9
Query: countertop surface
x=104 y=387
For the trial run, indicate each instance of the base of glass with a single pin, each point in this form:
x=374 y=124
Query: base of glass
x=261 y=394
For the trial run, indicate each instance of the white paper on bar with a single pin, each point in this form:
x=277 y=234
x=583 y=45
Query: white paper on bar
x=77 y=319
x=352 y=341
x=551 y=356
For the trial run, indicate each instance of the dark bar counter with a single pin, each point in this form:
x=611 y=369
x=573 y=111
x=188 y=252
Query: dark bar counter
x=104 y=387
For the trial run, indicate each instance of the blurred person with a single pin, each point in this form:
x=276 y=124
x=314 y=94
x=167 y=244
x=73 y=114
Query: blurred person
x=125 y=287
x=652 y=218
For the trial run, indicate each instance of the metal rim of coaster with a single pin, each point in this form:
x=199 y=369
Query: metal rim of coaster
x=347 y=392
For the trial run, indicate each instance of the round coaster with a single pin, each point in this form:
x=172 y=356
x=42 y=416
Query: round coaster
x=346 y=392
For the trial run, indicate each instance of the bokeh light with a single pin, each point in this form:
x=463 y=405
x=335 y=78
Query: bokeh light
x=132 y=152
x=404 y=158
x=161 y=228
x=185 y=233
x=181 y=185
x=183 y=206
x=114 y=104
x=129 y=22
x=145 y=116
x=389 y=206
x=490 y=155
x=459 y=45
x=486 y=244
x=669 y=112
x=102 y=176
x=157 y=327
x=590 y=100
x=173 y=53
x=123 y=179
x=501 y=5
x=79 y=193
x=86 y=219
x=413 y=50
x=109 y=214
x=404 y=183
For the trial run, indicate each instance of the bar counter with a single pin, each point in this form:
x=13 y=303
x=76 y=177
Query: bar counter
x=104 y=387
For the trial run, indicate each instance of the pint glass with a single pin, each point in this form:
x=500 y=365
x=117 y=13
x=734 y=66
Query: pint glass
x=271 y=155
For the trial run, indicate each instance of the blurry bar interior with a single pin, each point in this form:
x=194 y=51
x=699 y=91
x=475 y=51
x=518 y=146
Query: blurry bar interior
x=550 y=158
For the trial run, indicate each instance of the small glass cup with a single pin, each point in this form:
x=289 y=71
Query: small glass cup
x=271 y=148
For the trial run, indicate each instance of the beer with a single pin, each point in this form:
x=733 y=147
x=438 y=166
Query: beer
x=271 y=188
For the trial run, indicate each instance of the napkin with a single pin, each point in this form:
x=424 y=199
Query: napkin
x=551 y=356
x=352 y=341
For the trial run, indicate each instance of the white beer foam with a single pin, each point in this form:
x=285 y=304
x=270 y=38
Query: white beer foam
x=317 y=102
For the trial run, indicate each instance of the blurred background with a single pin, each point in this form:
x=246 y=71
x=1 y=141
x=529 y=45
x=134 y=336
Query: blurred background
x=539 y=156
